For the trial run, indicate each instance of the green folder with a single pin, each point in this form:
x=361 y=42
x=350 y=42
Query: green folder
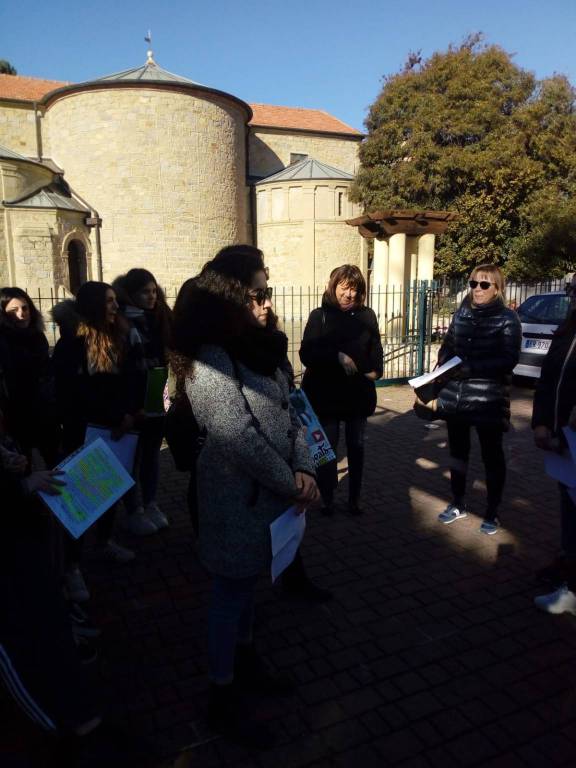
x=155 y=383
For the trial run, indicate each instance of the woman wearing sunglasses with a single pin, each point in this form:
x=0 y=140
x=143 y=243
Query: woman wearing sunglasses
x=253 y=466
x=486 y=335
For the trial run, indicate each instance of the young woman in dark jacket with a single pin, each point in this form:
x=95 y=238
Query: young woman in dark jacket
x=343 y=355
x=98 y=381
x=25 y=362
x=144 y=306
x=555 y=408
x=486 y=335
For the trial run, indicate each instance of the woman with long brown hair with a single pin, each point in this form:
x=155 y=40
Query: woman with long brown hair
x=99 y=380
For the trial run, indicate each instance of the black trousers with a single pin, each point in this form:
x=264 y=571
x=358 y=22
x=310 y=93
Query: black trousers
x=327 y=474
x=490 y=437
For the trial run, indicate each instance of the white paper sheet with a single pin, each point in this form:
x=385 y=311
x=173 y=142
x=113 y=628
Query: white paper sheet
x=561 y=468
x=124 y=449
x=287 y=532
x=426 y=378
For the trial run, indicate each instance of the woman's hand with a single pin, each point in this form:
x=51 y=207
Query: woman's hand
x=543 y=438
x=572 y=419
x=347 y=363
x=45 y=481
x=373 y=375
x=308 y=492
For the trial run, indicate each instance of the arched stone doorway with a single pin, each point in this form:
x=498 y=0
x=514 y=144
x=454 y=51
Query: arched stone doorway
x=77 y=267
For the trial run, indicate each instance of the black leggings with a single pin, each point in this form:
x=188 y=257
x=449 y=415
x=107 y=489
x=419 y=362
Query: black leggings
x=490 y=437
x=328 y=473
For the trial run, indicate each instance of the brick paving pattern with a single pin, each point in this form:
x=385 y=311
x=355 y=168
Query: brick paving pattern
x=430 y=654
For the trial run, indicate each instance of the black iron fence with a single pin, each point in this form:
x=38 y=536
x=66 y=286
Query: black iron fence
x=412 y=320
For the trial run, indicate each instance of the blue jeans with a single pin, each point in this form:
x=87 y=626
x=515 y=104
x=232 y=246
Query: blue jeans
x=147 y=464
x=230 y=621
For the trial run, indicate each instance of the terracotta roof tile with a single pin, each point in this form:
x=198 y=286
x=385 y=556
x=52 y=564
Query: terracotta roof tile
x=299 y=118
x=26 y=88
x=265 y=115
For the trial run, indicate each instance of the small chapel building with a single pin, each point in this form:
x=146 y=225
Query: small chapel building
x=147 y=168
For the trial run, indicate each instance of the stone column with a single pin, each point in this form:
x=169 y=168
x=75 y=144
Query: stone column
x=397 y=260
x=380 y=263
x=426 y=256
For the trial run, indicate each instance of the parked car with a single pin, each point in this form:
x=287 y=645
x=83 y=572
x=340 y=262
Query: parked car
x=540 y=316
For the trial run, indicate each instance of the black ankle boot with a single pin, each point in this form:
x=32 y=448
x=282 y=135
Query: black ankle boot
x=253 y=674
x=227 y=715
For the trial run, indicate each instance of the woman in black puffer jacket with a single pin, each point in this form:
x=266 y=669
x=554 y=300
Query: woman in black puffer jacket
x=343 y=355
x=486 y=335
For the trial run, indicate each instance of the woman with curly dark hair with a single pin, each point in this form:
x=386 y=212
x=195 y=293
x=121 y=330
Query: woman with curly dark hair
x=143 y=305
x=254 y=463
x=25 y=364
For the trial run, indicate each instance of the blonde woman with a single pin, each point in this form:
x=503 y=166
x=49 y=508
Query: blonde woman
x=486 y=335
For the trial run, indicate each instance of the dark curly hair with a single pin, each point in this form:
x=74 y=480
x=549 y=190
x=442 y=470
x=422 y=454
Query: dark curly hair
x=6 y=296
x=212 y=308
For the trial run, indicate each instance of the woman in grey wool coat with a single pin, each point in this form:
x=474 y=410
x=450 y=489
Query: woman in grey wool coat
x=253 y=465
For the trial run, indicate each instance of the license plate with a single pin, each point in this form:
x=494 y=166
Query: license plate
x=538 y=344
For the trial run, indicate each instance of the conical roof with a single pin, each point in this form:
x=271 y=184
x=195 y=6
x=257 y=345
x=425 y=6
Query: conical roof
x=307 y=170
x=9 y=154
x=48 y=197
x=150 y=71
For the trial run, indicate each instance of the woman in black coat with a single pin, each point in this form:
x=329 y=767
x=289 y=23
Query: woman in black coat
x=486 y=335
x=555 y=408
x=25 y=362
x=343 y=355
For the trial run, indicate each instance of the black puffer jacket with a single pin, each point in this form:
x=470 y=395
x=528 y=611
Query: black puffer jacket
x=487 y=338
x=330 y=330
x=555 y=394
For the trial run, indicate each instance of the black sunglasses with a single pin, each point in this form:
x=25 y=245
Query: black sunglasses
x=484 y=284
x=261 y=295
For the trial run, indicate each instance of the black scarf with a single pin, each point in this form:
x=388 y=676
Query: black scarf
x=260 y=349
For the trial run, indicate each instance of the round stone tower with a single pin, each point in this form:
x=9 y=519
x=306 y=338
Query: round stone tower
x=162 y=160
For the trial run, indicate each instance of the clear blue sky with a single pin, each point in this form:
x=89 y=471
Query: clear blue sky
x=327 y=54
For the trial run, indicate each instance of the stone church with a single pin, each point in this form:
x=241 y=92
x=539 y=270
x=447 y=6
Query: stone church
x=147 y=168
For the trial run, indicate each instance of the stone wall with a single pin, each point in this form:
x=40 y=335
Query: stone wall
x=165 y=171
x=18 y=128
x=269 y=150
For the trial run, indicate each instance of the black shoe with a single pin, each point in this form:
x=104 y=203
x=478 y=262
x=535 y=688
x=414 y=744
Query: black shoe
x=305 y=589
x=251 y=673
x=87 y=651
x=81 y=624
x=354 y=509
x=227 y=715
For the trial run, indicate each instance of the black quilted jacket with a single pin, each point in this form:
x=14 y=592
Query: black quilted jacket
x=555 y=394
x=487 y=338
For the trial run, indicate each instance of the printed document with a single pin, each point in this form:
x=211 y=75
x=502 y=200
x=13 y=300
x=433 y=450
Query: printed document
x=427 y=378
x=561 y=468
x=94 y=481
x=287 y=532
x=318 y=444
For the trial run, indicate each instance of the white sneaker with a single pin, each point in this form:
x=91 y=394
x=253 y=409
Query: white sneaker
x=115 y=553
x=155 y=514
x=75 y=586
x=560 y=601
x=138 y=524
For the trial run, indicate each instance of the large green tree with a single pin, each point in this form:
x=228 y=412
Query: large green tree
x=469 y=131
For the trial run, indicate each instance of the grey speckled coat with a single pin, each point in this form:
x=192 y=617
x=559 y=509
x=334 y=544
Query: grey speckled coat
x=245 y=474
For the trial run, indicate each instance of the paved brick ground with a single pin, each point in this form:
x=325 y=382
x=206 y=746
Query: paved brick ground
x=431 y=653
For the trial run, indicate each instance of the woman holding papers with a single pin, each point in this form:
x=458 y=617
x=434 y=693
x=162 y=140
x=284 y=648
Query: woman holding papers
x=343 y=355
x=253 y=466
x=486 y=336
x=99 y=380
x=143 y=305
x=554 y=412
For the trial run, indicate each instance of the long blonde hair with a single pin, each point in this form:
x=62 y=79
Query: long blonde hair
x=105 y=342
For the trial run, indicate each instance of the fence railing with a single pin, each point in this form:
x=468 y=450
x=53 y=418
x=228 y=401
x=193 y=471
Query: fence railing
x=412 y=319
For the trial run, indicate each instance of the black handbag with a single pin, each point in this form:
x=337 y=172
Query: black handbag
x=183 y=434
